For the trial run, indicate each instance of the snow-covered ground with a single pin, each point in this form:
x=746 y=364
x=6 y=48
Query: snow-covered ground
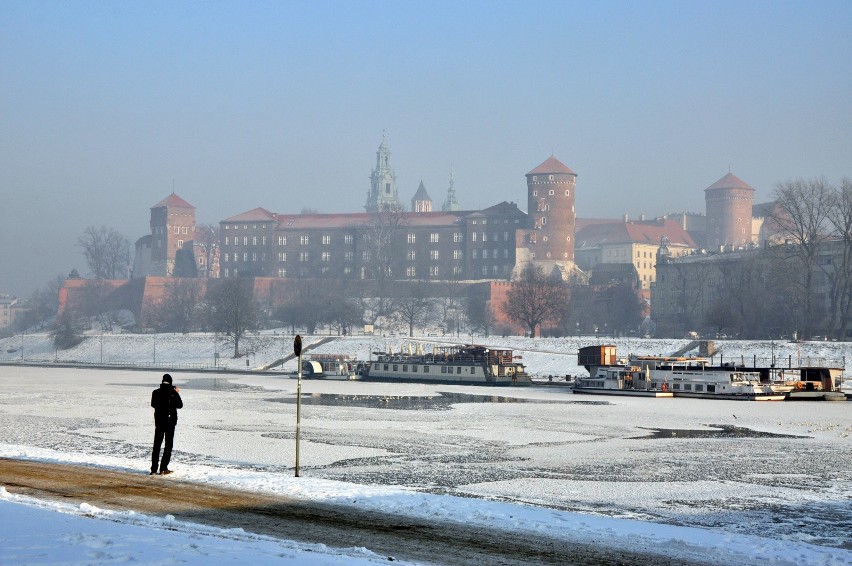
x=726 y=480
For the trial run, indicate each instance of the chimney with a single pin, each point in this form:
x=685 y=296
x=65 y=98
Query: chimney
x=625 y=218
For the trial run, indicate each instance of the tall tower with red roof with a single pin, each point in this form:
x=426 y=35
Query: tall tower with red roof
x=172 y=229
x=551 y=217
x=728 y=204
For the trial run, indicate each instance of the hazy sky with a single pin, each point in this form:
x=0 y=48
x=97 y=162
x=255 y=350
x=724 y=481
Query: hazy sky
x=105 y=107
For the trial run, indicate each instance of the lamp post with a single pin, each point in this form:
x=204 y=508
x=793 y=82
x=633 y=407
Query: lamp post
x=297 y=349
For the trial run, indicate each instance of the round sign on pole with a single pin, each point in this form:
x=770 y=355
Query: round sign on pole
x=297 y=345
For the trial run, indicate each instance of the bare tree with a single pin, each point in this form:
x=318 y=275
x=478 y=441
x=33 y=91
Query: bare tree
x=803 y=221
x=179 y=309
x=207 y=236
x=415 y=308
x=384 y=253
x=840 y=275
x=535 y=298
x=107 y=252
x=231 y=309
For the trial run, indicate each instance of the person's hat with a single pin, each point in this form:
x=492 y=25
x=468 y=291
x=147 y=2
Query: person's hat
x=167 y=379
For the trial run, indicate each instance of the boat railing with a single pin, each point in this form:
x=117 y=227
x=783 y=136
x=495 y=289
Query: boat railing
x=778 y=362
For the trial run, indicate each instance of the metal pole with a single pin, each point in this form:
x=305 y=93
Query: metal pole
x=298 y=411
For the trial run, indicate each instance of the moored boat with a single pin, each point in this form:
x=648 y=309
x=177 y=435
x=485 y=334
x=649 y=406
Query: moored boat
x=329 y=366
x=467 y=364
x=679 y=376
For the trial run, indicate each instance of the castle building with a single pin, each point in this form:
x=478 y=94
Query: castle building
x=728 y=204
x=172 y=230
x=551 y=217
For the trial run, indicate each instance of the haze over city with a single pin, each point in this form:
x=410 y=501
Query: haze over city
x=109 y=107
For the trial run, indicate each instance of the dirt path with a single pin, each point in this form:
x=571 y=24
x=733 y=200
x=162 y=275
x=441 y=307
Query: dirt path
x=391 y=535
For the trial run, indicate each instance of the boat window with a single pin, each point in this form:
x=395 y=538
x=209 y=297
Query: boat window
x=699 y=387
x=395 y=367
x=458 y=370
x=414 y=369
x=386 y=367
x=443 y=369
x=405 y=367
x=676 y=386
x=687 y=387
x=425 y=369
x=711 y=389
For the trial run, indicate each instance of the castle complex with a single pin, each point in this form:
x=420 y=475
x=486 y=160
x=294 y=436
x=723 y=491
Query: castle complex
x=447 y=244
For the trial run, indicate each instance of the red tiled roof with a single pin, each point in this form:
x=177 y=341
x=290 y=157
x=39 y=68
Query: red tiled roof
x=729 y=181
x=647 y=232
x=551 y=165
x=173 y=200
x=254 y=215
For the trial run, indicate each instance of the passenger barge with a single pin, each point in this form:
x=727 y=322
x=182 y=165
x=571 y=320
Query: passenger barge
x=466 y=364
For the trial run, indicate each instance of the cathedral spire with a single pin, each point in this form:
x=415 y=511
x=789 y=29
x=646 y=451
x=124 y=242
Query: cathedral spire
x=451 y=204
x=383 y=191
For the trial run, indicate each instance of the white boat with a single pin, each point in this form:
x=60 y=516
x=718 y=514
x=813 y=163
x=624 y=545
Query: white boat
x=674 y=375
x=330 y=366
x=461 y=364
x=696 y=377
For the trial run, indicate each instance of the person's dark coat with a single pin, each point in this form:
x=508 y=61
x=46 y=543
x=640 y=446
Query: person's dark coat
x=166 y=401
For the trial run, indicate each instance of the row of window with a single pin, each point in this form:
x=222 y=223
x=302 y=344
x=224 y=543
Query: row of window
x=551 y=193
x=245 y=226
x=304 y=240
x=411 y=272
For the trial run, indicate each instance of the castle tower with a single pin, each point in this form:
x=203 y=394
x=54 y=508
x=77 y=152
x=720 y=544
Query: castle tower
x=421 y=202
x=172 y=228
x=451 y=204
x=728 y=204
x=550 y=197
x=383 y=193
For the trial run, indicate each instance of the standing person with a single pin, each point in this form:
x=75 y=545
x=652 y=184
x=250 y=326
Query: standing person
x=166 y=401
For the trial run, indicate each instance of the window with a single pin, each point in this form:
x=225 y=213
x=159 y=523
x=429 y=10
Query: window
x=505 y=236
x=282 y=256
x=227 y=240
x=456 y=270
x=457 y=237
x=433 y=271
x=473 y=236
x=227 y=227
x=410 y=255
x=176 y=229
x=535 y=193
x=227 y=272
x=550 y=192
x=506 y=253
x=410 y=271
x=326 y=239
x=227 y=258
x=543 y=220
x=474 y=253
x=184 y=230
x=304 y=256
x=484 y=254
x=365 y=255
x=245 y=256
x=484 y=237
x=567 y=193
x=254 y=256
x=434 y=255
x=282 y=272
x=303 y=240
x=245 y=240
x=254 y=240
x=433 y=237
x=245 y=227
x=326 y=256
x=282 y=240
x=412 y=238
x=347 y=256
x=347 y=239
x=458 y=254
x=263 y=241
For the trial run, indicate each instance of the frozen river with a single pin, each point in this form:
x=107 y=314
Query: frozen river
x=777 y=470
